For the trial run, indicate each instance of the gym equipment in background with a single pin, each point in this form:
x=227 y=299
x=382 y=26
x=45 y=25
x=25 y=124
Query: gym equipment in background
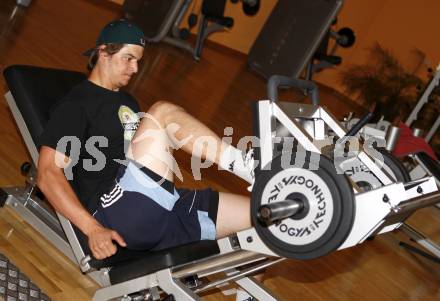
x=160 y=20
x=323 y=58
x=250 y=7
x=302 y=210
x=24 y=2
x=291 y=35
x=422 y=101
x=382 y=128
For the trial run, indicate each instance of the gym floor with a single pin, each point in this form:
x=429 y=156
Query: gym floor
x=219 y=90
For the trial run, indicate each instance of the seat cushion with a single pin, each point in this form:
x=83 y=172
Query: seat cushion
x=128 y=264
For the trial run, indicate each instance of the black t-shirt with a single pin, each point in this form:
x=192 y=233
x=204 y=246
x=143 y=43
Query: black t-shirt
x=92 y=126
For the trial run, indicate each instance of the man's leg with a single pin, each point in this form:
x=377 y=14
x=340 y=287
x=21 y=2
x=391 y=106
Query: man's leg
x=167 y=127
x=233 y=214
x=172 y=125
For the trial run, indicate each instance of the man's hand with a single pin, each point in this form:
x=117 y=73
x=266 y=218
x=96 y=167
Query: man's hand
x=101 y=242
x=53 y=183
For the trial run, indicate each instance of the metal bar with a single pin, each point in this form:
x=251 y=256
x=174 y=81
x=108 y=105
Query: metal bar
x=184 y=7
x=419 y=251
x=50 y=234
x=272 y=212
x=421 y=239
x=424 y=98
x=74 y=243
x=166 y=26
x=232 y=258
x=416 y=203
x=243 y=273
x=433 y=129
x=125 y=288
x=295 y=129
x=46 y=214
x=332 y=122
x=175 y=287
x=266 y=127
x=256 y=289
x=178 y=43
x=22 y=127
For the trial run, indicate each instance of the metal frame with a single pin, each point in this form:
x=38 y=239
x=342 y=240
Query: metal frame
x=424 y=98
x=422 y=240
x=39 y=218
x=373 y=215
x=418 y=172
x=24 y=131
x=287 y=114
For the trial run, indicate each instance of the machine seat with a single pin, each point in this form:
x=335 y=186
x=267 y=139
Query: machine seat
x=132 y=264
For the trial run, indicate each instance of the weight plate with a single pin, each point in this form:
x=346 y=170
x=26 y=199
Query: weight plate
x=393 y=166
x=328 y=198
x=251 y=8
x=348 y=37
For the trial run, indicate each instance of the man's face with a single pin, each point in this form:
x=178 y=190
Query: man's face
x=123 y=65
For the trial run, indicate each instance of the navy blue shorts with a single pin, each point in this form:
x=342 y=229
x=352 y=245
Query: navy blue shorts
x=151 y=214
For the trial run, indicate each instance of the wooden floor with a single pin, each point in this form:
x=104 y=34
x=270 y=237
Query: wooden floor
x=219 y=90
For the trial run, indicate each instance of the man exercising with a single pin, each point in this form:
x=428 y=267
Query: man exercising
x=126 y=195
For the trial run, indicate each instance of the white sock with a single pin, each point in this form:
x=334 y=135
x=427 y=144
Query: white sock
x=242 y=295
x=231 y=159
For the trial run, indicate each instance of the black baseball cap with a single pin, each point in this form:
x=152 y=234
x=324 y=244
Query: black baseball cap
x=119 y=31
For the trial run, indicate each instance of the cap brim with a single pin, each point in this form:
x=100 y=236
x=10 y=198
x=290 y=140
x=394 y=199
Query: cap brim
x=88 y=52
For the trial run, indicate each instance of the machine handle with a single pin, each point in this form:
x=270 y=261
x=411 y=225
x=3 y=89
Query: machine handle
x=360 y=124
x=276 y=81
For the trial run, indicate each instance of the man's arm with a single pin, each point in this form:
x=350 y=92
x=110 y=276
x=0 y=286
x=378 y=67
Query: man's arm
x=59 y=193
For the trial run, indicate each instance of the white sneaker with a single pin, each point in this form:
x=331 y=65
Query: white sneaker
x=250 y=165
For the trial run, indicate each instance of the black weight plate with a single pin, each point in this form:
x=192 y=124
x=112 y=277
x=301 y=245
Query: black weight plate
x=349 y=37
x=399 y=171
x=331 y=207
x=251 y=9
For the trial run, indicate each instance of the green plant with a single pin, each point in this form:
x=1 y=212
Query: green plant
x=385 y=82
x=382 y=81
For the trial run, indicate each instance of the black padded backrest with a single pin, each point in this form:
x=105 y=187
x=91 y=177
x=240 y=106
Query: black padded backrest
x=36 y=90
x=214 y=8
x=290 y=36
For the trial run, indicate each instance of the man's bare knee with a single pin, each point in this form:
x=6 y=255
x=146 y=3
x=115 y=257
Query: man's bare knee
x=164 y=111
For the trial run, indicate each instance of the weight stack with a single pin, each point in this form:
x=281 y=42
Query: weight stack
x=291 y=35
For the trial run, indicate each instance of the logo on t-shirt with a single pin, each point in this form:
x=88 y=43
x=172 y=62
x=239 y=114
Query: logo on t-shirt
x=129 y=121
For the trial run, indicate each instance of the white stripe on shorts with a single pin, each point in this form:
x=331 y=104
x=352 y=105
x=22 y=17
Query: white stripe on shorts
x=112 y=197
